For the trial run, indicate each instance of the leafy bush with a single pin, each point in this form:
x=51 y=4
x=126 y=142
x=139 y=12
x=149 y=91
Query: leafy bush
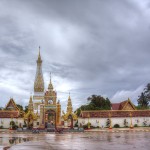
x=13 y=125
x=1 y=127
x=85 y=126
x=125 y=123
x=108 y=123
x=116 y=126
x=145 y=123
x=135 y=125
x=76 y=124
x=24 y=126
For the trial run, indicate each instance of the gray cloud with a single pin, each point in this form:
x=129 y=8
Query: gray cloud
x=91 y=47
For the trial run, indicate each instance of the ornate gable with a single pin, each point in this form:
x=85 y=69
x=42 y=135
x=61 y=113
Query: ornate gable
x=128 y=105
x=11 y=105
x=125 y=105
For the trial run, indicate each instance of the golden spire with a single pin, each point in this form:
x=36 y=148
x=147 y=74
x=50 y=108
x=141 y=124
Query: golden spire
x=39 y=82
x=30 y=106
x=69 y=105
x=69 y=97
x=50 y=86
x=39 y=60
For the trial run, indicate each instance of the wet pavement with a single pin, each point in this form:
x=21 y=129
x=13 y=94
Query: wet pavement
x=78 y=141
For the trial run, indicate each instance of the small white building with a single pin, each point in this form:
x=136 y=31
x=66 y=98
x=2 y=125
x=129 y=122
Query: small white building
x=11 y=113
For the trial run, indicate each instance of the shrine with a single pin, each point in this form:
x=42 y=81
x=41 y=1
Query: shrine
x=45 y=103
x=69 y=117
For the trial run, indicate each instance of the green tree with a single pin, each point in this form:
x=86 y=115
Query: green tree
x=144 y=98
x=26 y=109
x=96 y=102
x=20 y=107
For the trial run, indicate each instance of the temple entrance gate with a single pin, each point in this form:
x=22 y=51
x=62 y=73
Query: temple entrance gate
x=50 y=118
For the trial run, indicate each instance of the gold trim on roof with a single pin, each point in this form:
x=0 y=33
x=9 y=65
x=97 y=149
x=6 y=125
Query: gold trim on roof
x=13 y=102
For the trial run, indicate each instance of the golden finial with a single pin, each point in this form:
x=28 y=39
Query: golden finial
x=39 y=52
x=69 y=96
x=39 y=57
x=50 y=78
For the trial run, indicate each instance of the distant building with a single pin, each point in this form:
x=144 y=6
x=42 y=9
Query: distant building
x=123 y=114
x=44 y=108
x=11 y=113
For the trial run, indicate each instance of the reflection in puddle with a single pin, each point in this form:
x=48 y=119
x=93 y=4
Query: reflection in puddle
x=14 y=140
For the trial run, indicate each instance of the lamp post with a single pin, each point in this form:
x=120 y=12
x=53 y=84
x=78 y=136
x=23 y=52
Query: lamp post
x=110 y=126
x=131 y=126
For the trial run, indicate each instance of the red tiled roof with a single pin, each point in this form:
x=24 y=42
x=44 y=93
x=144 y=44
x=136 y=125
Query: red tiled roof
x=122 y=104
x=115 y=113
x=12 y=104
x=115 y=106
x=9 y=114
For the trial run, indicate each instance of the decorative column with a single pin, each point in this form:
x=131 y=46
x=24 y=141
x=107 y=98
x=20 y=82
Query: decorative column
x=11 y=122
x=131 y=126
x=88 y=121
x=110 y=126
x=42 y=117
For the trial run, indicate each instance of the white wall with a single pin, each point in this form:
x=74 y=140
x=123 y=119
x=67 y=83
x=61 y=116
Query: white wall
x=5 y=122
x=102 y=121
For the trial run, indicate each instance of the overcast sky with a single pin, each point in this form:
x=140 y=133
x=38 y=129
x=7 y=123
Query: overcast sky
x=91 y=47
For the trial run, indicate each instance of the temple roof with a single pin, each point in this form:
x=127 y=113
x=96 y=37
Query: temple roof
x=114 y=113
x=115 y=106
x=9 y=114
x=11 y=105
x=125 y=105
x=32 y=114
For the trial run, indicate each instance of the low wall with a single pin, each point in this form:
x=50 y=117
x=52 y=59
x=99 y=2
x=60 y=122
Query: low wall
x=101 y=122
x=5 y=122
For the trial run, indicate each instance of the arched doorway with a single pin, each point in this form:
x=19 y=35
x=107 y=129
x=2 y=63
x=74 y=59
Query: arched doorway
x=70 y=121
x=50 y=118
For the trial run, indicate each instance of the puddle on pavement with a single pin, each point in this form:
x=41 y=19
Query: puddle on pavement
x=9 y=141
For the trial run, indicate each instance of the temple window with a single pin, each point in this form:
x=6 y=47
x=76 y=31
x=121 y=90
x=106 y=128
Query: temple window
x=50 y=101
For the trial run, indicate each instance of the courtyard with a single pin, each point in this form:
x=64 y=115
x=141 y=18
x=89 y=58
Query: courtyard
x=104 y=140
